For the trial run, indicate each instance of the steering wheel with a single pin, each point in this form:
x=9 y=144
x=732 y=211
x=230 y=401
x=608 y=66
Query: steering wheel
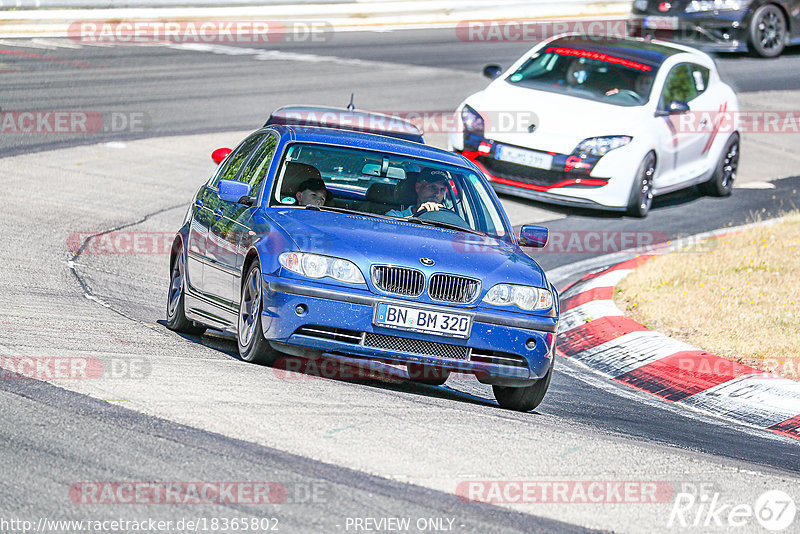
x=443 y=215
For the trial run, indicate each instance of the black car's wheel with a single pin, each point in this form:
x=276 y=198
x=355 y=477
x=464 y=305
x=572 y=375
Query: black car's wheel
x=721 y=183
x=250 y=336
x=526 y=398
x=767 y=32
x=176 y=316
x=427 y=374
x=641 y=199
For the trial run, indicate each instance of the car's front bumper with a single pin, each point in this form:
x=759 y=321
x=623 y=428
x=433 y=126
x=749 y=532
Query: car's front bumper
x=337 y=321
x=595 y=182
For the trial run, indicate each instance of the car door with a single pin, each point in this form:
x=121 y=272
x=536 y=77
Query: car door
x=684 y=143
x=201 y=221
x=231 y=225
x=216 y=274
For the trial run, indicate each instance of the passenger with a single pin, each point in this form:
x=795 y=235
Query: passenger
x=312 y=192
x=430 y=189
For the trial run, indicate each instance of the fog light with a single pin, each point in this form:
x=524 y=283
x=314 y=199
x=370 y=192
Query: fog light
x=530 y=344
x=301 y=310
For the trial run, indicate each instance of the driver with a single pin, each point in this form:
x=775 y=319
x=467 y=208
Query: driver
x=430 y=189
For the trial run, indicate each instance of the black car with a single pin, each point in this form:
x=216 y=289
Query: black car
x=761 y=27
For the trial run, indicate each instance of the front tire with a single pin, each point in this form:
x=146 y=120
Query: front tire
x=250 y=335
x=641 y=198
x=176 y=316
x=427 y=374
x=721 y=183
x=767 y=31
x=527 y=398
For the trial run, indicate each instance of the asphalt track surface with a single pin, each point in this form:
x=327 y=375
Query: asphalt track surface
x=378 y=448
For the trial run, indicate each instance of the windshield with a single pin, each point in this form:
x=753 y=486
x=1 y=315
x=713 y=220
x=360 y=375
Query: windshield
x=586 y=74
x=322 y=177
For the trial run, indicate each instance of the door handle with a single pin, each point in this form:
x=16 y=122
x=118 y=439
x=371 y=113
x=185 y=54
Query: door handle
x=218 y=213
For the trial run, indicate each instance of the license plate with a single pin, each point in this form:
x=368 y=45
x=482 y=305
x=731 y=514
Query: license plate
x=419 y=320
x=660 y=23
x=521 y=156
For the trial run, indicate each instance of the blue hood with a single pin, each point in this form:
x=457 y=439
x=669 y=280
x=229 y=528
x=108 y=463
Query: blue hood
x=368 y=240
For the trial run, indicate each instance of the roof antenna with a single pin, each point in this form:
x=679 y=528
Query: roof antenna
x=351 y=106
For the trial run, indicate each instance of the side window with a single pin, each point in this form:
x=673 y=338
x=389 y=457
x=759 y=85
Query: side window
x=699 y=77
x=679 y=86
x=230 y=167
x=256 y=169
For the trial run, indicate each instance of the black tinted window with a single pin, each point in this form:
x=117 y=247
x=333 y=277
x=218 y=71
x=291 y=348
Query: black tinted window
x=230 y=167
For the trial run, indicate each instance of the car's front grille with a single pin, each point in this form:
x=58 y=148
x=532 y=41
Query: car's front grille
x=528 y=175
x=416 y=346
x=451 y=288
x=498 y=358
x=398 y=280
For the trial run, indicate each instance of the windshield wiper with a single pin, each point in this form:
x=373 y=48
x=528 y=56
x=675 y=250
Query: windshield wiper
x=428 y=222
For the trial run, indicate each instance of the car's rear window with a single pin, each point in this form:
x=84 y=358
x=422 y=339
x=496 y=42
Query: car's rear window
x=385 y=185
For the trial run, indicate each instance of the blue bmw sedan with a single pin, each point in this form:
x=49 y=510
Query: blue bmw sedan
x=321 y=243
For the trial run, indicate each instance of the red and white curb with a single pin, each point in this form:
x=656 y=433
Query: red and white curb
x=595 y=332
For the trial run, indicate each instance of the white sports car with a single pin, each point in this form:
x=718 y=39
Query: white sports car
x=603 y=123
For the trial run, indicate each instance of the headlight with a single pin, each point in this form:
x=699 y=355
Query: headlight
x=316 y=266
x=698 y=6
x=472 y=120
x=600 y=146
x=524 y=297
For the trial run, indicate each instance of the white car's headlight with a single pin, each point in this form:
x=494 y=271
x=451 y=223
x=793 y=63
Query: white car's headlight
x=524 y=297
x=699 y=6
x=600 y=146
x=472 y=120
x=316 y=266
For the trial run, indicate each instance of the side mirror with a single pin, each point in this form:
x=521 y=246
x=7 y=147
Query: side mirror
x=492 y=71
x=233 y=191
x=220 y=154
x=676 y=107
x=533 y=236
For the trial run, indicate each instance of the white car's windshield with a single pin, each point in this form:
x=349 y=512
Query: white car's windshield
x=386 y=185
x=587 y=74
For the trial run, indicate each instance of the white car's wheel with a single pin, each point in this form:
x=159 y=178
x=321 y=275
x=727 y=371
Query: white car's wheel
x=641 y=198
x=721 y=183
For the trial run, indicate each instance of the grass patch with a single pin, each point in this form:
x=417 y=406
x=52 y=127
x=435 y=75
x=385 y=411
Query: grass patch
x=739 y=299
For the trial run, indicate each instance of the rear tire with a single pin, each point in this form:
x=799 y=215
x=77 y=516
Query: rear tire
x=767 y=31
x=721 y=183
x=427 y=374
x=250 y=335
x=176 y=316
x=641 y=198
x=527 y=398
